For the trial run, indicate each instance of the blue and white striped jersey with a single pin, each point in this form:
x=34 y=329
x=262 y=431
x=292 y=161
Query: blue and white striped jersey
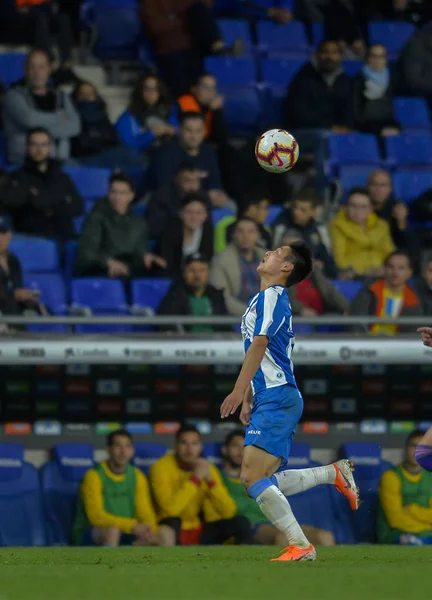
x=269 y=313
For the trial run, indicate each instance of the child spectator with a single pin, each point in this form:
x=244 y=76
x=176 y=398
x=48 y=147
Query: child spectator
x=150 y=118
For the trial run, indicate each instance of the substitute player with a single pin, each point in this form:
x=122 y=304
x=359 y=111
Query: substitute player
x=423 y=451
x=272 y=404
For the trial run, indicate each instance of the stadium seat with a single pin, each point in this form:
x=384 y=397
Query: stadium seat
x=348 y=288
x=232 y=72
x=351 y=176
x=61 y=479
x=242 y=110
x=117 y=26
x=352 y=149
x=21 y=508
x=300 y=454
x=149 y=293
x=279 y=72
x=412 y=114
x=236 y=29
x=392 y=35
x=212 y=452
x=273 y=213
x=408 y=185
x=369 y=467
x=282 y=40
x=36 y=255
x=352 y=67
x=53 y=296
x=12 y=67
x=91 y=182
x=409 y=150
x=69 y=251
x=102 y=296
x=78 y=224
x=217 y=214
x=146 y=454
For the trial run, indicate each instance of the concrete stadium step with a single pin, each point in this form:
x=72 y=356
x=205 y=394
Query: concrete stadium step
x=116 y=98
x=94 y=74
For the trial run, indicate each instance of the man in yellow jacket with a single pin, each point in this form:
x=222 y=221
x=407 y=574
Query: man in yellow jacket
x=191 y=497
x=114 y=505
x=405 y=494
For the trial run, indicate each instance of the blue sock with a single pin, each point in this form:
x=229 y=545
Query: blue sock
x=258 y=487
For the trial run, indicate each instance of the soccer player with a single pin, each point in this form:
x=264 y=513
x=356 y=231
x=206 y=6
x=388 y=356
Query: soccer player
x=423 y=451
x=272 y=404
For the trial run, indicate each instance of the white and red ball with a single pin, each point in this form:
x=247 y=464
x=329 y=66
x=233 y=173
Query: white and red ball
x=277 y=151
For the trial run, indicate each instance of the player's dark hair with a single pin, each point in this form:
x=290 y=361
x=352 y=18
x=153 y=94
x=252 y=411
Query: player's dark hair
x=398 y=253
x=36 y=130
x=301 y=258
x=122 y=178
x=117 y=433
x=186 y=167
x=186 y=116
x=186 y=429
x=414 y=434
x=233 y=434
x=196 y=197
x=359 y=190
x=307 y=195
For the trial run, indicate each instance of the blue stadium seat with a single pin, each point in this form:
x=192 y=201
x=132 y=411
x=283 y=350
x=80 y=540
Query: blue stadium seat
x=300 y=454
x=12 y=67
x=286 y=40
x=78 y=224
x=147 y=453
x=280 y=72
x=232 y=72
x=351 y=176
x=369 y=467
x=212 y=451
x=348 y=288
x=53 y=295
x=236 y=29
x=61 y=479
x=408 y=185
x=242 y=110
x=91 y=182
x=118 y=30
x=36 y=255
x=412 y=114
x=273 y=213
x=217 y=214
x=353 y=149
x=69 y=250
x=352 y=67
x=21 y=507
x=392 y=35
x=104 y=297
x=149 y=293
x=409 y=150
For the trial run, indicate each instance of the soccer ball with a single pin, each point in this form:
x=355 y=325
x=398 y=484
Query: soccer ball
x=277 y=151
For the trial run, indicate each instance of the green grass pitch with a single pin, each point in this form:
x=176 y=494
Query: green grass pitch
x=204 y=573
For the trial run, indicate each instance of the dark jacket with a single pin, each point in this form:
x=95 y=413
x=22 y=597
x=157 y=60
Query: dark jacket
x=170 y=246
x=164 y=205
x=415 y=65
x=371 y=116
x=97 y=132
x=333 y=300
x=42 y=203
x=167 y=159
x=313 y=103
x=107 y=234
x=311 y=235
x=404 y=239
x=9 y=282
x=366 y=301
x=176 y=302
x=425 y=294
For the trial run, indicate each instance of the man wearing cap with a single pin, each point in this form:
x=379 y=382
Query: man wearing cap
x=193 y=295
x=13 y=297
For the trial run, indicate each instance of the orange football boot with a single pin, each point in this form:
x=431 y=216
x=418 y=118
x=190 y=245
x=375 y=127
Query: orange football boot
x=295 y=554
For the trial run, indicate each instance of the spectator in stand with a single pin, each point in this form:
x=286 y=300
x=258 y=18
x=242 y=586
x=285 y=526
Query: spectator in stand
x=150 y=118
x=2 y=93
x=182 y=32
x=165 y=203
x=263 y=531
x=423 y=286
x=189 y=146
x=192 y=294
x=14 y=298
x=33 y=103
x=114 y=505
x=361 y=240
x=373 y=95
x=315 y=295
x=395 y=213
x=234 y=269
x=415 y=64
x=255 y=207
x=203 y=98
x=188 y=233
x=191 y=498
x=98 y=144
x=299 y=220
x=405 y=500
x=390 y=296
x=417 y=12
x=113 y=241
x=41 y=199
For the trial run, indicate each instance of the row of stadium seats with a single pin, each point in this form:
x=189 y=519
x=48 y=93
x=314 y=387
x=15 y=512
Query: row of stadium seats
x=37 y=508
